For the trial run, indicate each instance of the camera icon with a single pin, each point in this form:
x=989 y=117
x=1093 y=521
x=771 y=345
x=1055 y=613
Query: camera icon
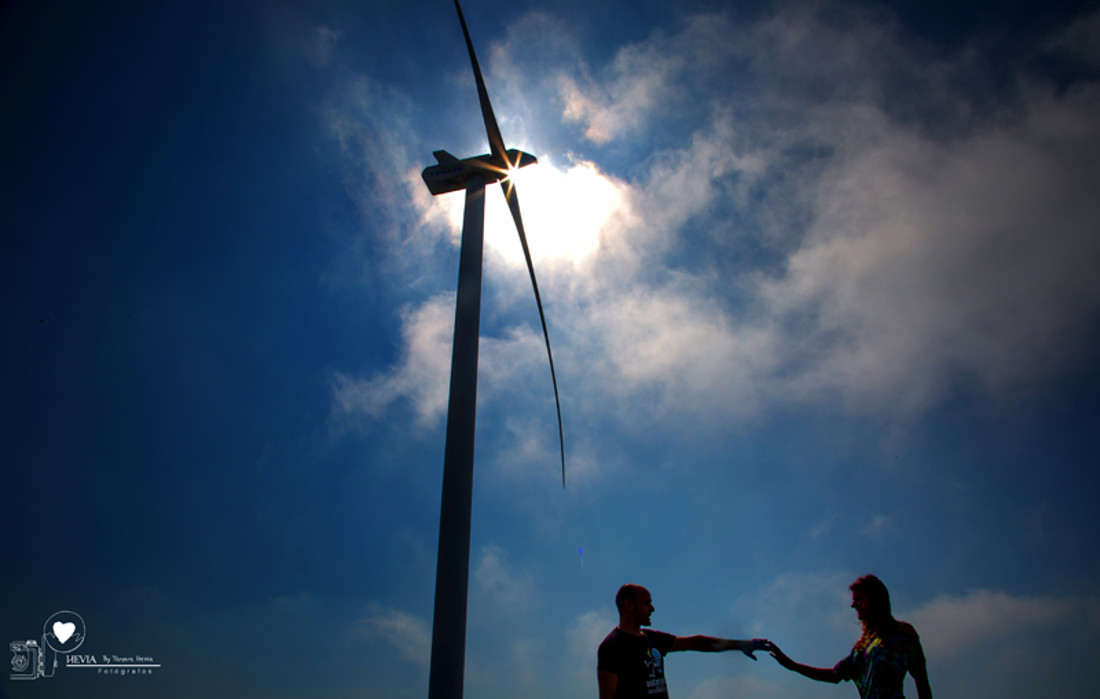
x=25 y=658
x=62 y=634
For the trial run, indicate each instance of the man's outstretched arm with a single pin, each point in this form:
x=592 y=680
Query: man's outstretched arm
x=710 y=644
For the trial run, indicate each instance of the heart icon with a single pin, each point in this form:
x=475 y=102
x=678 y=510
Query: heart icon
x=64 y=630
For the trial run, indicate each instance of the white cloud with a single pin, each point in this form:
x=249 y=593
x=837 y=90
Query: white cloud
x=582 y=638
x=509 y=590
x=422 y=375
x=406 y=633
x=617 y=104
x=739 y=686
x=920 y=261
x=880 y=527
x=926 y=262
x=681 y=348
x=904 y=251
x=319 y=47
x=504 y=602
x=370 y=125
x=643 y=81
x=807 y=602
x=950 y=626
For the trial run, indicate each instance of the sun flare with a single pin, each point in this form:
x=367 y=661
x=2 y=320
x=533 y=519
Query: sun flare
x=564 y=210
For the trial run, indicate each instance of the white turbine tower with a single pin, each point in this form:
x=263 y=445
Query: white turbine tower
x=453 y=567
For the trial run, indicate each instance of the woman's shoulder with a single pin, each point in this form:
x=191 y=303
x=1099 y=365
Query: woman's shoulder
x=902 y=635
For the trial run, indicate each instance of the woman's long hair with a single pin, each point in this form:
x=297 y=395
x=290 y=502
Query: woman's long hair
x=880 y=618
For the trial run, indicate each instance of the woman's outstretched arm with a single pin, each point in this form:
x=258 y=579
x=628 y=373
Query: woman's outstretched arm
x=821 y=674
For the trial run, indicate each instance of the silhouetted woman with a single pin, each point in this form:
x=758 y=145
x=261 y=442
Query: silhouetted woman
x=880 y=658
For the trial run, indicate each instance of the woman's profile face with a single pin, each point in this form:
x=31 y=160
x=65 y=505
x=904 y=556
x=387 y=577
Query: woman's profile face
x=862 y=604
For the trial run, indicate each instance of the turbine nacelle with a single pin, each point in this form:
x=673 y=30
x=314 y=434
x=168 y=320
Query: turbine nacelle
x=452 y=174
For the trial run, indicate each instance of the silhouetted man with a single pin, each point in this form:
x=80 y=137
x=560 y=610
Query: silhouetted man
x=631 y=659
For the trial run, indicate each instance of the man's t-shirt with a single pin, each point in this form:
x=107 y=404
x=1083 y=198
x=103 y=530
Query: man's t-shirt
x=637 y=660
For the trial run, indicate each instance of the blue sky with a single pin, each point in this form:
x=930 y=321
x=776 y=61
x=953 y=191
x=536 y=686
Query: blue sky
x=820 y=280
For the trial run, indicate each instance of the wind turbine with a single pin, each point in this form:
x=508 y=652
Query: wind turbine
x=453 y=567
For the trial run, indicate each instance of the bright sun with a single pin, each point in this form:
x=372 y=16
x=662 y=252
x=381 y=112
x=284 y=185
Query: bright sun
x=563 y=212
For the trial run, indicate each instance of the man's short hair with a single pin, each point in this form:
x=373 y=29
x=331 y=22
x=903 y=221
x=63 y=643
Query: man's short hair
x=629 y=591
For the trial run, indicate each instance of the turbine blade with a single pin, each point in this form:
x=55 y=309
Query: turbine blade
x=496 y=142
x=513 y=204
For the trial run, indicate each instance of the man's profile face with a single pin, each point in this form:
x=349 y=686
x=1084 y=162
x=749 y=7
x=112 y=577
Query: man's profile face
x=641 y=607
